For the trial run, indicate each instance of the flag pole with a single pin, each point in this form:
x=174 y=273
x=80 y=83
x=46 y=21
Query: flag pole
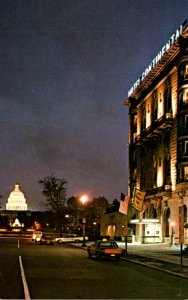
x=126 y=245
x=123 y=208
x=126 y=232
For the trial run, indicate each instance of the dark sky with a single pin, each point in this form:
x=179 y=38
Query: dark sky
x=65 y=68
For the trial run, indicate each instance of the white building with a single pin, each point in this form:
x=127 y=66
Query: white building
x=16 y=200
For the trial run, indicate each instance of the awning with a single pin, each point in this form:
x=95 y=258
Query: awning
x=144 y=221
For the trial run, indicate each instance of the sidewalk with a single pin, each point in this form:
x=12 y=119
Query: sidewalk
x=164 y=252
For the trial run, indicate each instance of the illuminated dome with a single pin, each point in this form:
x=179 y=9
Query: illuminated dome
x=16 y=200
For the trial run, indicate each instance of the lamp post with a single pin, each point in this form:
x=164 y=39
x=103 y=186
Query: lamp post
x=83 y=199
x=94 y=227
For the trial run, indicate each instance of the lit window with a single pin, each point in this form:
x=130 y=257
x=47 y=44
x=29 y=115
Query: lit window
x=143 y=117
x=160 y=97
x=185 y=96
x=186 y=173
x=135 y=173
x=186 y=71
x=135 y=120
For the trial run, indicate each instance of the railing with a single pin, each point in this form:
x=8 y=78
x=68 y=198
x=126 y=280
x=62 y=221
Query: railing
x=161 y=124
x=158 y=190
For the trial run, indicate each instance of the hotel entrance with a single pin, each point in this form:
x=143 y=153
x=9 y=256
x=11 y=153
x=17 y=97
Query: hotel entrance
x=148 y=231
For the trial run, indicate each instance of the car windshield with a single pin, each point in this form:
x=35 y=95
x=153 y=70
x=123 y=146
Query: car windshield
x=109 y=245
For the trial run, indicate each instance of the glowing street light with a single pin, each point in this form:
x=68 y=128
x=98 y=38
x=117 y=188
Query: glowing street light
x=84 y=199
x=94 y=226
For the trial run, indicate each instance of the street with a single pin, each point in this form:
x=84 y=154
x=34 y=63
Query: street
x=65 y=272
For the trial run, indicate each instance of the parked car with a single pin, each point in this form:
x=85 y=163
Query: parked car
x=45 y=239
x=70 y=238
x=104 y=248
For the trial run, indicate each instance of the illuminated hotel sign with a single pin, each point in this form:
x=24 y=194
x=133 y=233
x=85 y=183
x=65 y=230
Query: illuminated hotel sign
x=157 y=58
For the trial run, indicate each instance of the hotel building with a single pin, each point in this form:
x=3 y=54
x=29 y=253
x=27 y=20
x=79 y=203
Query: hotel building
x=158 y=144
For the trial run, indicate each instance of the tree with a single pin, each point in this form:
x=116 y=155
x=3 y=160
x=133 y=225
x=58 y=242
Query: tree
x=114 y=206
x=55 y=192
x=73 y=203
x=99 y=204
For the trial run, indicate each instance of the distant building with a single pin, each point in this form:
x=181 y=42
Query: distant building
x=16 y=200
x=158 y=143
x=99 y=205
x=113 y=225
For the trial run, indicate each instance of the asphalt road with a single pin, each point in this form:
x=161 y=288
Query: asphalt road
x=10 y=280
x=65 y=272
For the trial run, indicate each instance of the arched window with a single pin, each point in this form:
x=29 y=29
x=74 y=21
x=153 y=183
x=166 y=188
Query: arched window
x=143 y=117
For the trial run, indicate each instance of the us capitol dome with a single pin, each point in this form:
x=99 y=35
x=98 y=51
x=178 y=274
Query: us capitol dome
x=16 y=200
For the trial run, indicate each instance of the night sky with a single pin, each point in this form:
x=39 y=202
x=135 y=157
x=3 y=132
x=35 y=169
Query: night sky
x=65 y=68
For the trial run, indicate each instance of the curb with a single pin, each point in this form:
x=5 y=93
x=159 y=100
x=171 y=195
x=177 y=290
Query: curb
x=156 y=268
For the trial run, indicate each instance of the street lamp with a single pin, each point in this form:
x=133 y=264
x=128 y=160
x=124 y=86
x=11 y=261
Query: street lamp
x=94 y=227
x=84 y=199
